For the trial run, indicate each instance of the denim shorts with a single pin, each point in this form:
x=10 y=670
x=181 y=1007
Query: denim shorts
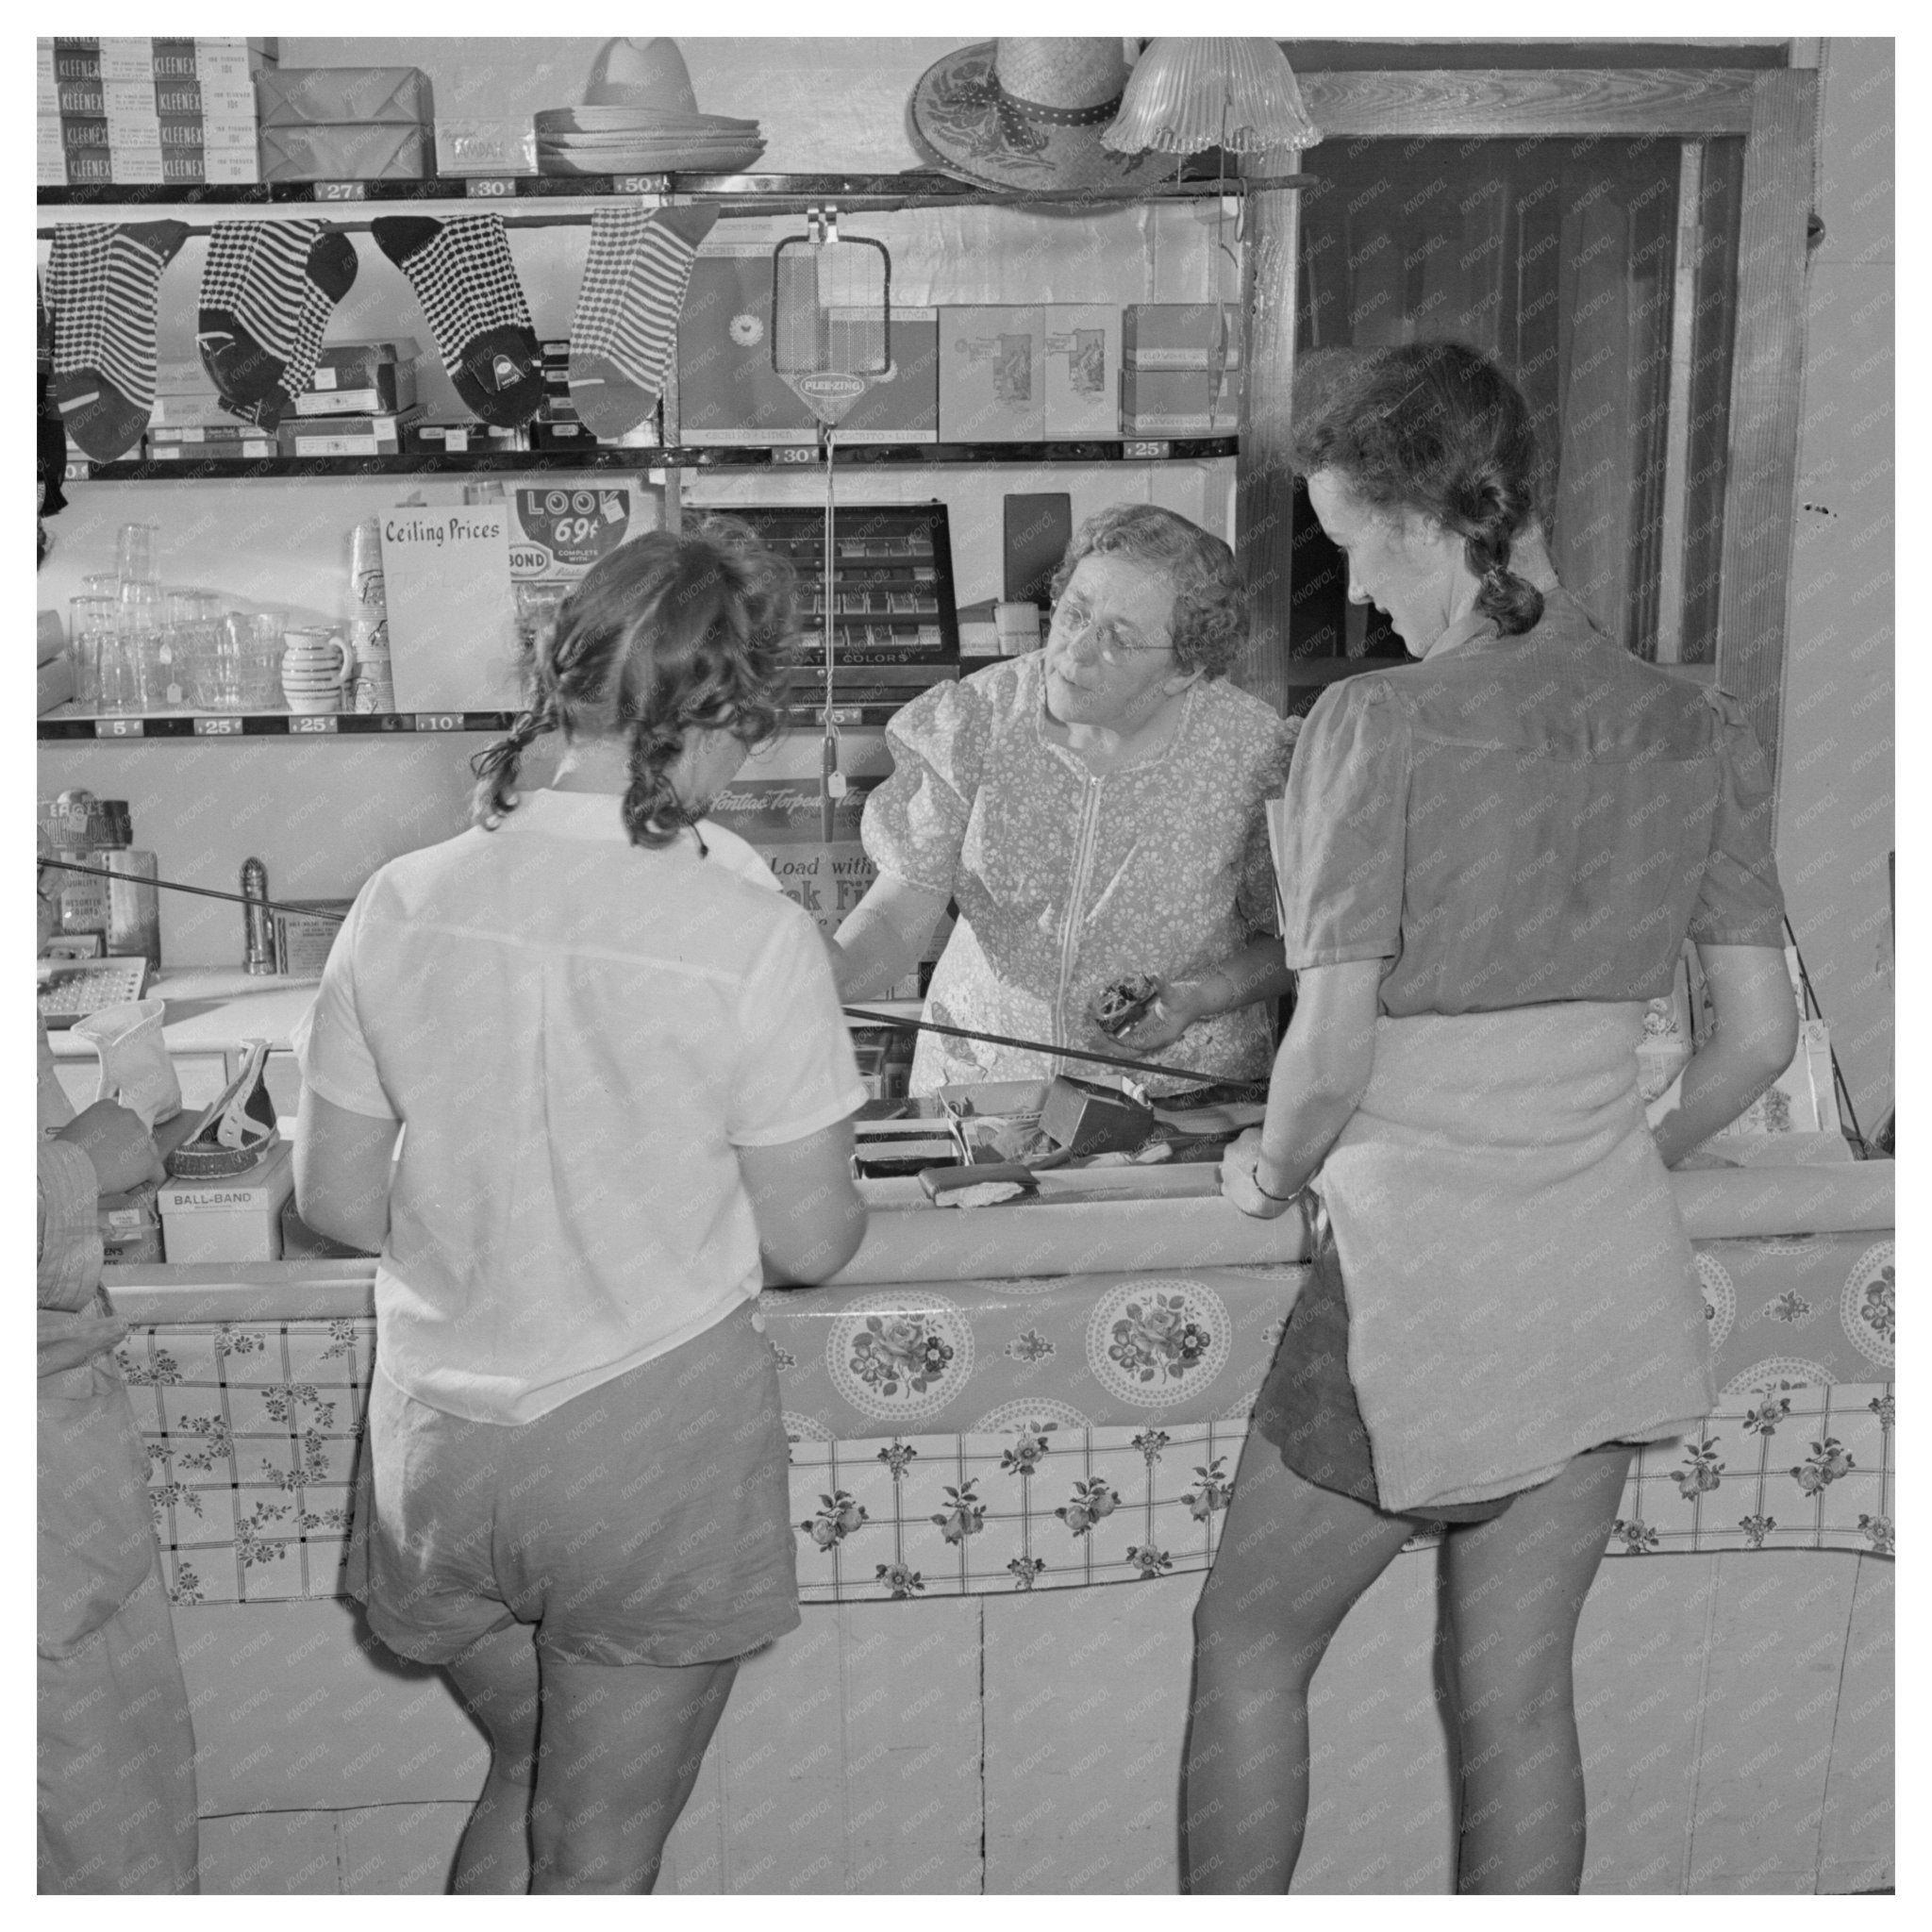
x=645 y=1521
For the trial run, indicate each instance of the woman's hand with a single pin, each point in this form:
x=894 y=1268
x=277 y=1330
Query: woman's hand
x=1240 y=1179
x=1176 y=1007
x=122 y=1150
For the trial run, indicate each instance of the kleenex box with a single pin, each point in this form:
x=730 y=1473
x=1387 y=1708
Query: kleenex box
x=237 y=1218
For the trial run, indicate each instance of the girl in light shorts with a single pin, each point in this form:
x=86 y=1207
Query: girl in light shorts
x=627 y=1090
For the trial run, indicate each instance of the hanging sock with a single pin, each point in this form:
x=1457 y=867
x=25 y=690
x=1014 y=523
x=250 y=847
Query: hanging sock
x=50 y=439
x=627 y=319
x=102 y=282
x=464 y=277
x=267 y=292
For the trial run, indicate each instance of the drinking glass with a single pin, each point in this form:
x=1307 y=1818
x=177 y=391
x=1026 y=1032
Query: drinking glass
x=134 y=557
x=245 y=663
x=128 y=660
x=91 y=627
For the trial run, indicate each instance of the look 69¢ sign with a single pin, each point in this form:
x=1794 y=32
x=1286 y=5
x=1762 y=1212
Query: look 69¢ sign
x=556 y=535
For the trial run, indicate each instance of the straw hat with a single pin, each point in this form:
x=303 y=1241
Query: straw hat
x=1027 y=114
x=640 y=115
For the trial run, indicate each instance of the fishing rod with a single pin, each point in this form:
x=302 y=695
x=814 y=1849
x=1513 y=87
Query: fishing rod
x=859 y=1013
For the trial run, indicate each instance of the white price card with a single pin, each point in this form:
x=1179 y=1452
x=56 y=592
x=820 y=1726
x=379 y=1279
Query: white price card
x=452 y=631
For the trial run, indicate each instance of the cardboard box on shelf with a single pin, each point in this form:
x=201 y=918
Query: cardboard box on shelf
x=357 y=151
x=1180 y=335
x=344 y=436
x=727 y=391
x=486 y=147
x=343 y=96
x=358 y=389
x=1179 y=402
x=237 y=1218
x=1083 y=357
x=993 y=375
x=902 y=405
x=303 y=937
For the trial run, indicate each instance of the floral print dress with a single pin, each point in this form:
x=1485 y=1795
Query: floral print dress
x=1066 y=879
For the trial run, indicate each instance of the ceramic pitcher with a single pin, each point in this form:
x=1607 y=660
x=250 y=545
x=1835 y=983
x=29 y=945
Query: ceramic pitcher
x=316 y=666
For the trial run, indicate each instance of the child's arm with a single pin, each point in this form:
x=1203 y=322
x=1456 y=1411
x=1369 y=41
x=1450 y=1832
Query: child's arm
x=342 y=1172
x=809 y=1217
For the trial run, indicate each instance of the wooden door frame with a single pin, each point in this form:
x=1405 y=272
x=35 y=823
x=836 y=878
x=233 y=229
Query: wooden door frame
x=1774 y=111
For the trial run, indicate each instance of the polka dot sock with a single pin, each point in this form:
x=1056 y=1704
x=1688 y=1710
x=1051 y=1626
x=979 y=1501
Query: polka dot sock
x=464 y=277
x=627 y=319
x=102 y=282
x=267 y=292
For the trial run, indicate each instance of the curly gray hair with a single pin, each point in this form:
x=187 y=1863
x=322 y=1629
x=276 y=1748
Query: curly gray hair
x=1211 y=608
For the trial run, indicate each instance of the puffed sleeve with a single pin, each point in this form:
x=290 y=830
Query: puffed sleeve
x=1257 y=900
x=1739 y=902
x=1344 y=845
x=915 y=822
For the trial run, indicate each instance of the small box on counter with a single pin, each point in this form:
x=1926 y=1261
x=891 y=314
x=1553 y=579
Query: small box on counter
x=304 y=936
x=338 y=97
x=236 y=1218
x=1180 y=335
x=1179 y=402
x=1083 y=353
x=486 y=147
x=992 y=376
x=903 y=405
x=360 y=151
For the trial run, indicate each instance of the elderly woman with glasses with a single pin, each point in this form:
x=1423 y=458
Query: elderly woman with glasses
x=1096 y=811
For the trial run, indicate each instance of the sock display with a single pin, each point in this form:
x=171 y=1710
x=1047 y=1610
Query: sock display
x=464 y=277
x=102 y=282
x=267 y=292
x=626 y=317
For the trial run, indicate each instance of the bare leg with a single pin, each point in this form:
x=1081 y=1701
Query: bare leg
x=496 y=1679
x=1517 y=1586
x=622 y=1747
x=1293 y=1561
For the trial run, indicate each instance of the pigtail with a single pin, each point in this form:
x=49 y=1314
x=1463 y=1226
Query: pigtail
x=653 y=813
x=497 y=765
x=1514 y=603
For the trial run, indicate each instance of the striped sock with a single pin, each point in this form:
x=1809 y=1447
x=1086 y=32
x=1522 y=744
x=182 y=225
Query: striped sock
x=102 y=281
x=464 y=277
x=267 y=292
x=627 y=309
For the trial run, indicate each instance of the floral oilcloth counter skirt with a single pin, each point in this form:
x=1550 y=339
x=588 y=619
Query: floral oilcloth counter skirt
x=997 y=1436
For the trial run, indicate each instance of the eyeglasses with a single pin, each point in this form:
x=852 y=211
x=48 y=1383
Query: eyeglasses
x=1072 y=619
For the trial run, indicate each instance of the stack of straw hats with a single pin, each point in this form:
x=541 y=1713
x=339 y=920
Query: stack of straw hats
x=640 y=117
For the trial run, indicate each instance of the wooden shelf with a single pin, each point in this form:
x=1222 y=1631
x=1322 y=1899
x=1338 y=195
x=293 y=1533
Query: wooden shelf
x=754 y=191
x=184 y=727
x=681 y=456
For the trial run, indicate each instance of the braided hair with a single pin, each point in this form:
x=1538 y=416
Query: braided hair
x=1435 y=428
x=669 y=634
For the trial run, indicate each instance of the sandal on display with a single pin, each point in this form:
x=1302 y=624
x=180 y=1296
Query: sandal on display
x=237 y=1131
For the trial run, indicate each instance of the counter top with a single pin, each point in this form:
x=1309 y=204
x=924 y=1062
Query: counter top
x=215 y=1008
x=1176 y=1221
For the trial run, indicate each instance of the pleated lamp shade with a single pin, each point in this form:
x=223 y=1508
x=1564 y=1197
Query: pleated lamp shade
x=1188 y=95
